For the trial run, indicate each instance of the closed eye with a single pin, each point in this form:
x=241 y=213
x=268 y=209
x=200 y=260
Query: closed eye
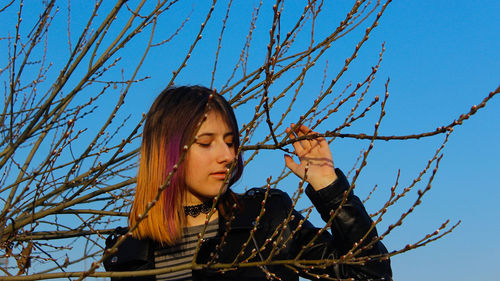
x=202 y=144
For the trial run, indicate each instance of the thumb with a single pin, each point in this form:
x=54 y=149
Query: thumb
x=290 y=163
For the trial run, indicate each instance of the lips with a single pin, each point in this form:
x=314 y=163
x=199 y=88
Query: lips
x=219 y=175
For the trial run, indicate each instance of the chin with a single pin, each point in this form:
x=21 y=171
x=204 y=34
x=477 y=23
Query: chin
x=209 y=192
x=215 y=192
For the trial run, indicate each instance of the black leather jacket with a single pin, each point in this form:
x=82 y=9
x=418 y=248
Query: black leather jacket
x=351 y=224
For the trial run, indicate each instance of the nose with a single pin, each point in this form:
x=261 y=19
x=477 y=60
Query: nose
x=225 y=154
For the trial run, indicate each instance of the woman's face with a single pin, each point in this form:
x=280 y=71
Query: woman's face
x=208 y=158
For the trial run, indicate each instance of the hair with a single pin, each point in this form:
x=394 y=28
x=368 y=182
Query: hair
x=171 y=123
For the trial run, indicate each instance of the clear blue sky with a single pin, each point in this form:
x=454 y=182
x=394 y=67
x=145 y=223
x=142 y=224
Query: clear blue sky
x=442 y=57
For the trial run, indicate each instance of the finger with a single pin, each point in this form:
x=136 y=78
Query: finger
x=318 y=142
x=305 y=129
x=292 y=165
x=314 y=143
x=323 y=143
x=299 y=149
x=302 y=131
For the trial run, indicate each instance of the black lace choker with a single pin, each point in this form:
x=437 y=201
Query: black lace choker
x=195 y=210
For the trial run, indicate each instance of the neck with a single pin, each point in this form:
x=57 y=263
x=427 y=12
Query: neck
x=191 y=221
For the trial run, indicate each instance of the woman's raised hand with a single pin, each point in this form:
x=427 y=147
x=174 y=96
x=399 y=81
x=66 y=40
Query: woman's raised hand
x=314 y=154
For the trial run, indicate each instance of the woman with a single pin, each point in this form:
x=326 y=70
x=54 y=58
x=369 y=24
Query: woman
x=190 y=144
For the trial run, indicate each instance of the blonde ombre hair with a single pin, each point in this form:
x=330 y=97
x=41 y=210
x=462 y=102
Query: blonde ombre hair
x=170 y=124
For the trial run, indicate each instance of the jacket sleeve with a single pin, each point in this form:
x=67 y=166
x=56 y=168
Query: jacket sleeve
x=350 y=224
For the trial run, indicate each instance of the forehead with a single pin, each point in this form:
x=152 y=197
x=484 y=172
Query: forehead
x=214 y=123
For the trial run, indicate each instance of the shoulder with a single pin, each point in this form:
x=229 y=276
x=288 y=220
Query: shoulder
x=258 y=194
x=261 y=192
x=131 y=254
x=115 y=235
x=277 y=201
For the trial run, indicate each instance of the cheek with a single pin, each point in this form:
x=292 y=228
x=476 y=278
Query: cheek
x=195 y=161
x=190 y=164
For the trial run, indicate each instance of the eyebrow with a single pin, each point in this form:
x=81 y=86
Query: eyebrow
x=212 y=134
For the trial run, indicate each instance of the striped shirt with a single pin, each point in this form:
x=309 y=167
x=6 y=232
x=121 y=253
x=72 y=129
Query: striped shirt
x=182 y=253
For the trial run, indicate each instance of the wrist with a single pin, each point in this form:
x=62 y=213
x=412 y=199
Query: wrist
x=323 y=181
